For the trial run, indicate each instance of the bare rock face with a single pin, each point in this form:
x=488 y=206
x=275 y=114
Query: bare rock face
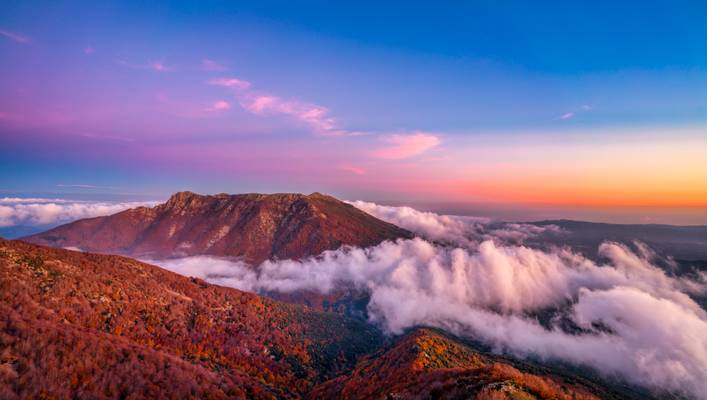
x=255 y=227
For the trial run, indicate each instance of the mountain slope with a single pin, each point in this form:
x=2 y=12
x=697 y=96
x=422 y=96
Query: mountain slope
x=430 y=364
x=680 y=242
x=106 y=326
x=255 y=227
x=81 y=325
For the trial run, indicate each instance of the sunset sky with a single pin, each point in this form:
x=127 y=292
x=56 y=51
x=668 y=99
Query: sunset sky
x=595 y=110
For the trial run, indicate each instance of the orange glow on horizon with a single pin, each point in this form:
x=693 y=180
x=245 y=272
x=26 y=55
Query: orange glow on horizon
x=581 y=194
x=668 y=169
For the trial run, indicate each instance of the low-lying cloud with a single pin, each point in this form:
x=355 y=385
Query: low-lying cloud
x=464 y=231
x=630 y=318
x=37 y=211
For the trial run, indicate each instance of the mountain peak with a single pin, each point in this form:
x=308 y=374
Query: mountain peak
x=181 y=198
x=254 y=227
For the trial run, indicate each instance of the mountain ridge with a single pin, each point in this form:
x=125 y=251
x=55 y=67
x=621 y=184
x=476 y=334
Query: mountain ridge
x=251 y=226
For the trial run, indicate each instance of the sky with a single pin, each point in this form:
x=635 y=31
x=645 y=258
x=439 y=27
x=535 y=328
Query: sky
x=585 y=110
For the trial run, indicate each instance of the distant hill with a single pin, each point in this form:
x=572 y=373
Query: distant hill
x=431 y=364
x=680 y=242
x=255 y=227
x=17 y=231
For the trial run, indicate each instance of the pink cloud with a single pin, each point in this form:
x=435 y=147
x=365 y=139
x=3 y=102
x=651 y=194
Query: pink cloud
x=211 y=65
x=315 y=116
x=567 y=116
x=160 y=67
x=15 y=37
x=353 y=169
x=88 y=50
x=311 y=114
x=264 y=103
x=220 y=105
x=157 y=66
x=404 y=146
x=231 y=83
x=342 y=133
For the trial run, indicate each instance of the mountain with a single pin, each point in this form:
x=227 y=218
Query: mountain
x=98 y=326
x=17 y=231
x=82 y=325
x=255 y=227
x=688 y=243
x=431 y=364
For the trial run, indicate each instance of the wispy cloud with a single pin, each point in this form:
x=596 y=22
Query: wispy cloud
x=220 y=105
x=406 y=145
x=311 y=114
x=82 y=186
x=88 y=50
x=571 y=114
x=264 y=103
x=157 y=66
x=110 y=138
x=211 y=65
x=231 y=83
x=353 y=169
x=16 y=37
x=257 y=102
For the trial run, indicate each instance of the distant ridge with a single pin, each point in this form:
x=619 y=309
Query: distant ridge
x=255 y=227
x=686 y=242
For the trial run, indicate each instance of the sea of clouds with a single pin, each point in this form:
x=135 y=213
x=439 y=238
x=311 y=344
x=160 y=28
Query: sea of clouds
x=39 y=211
x=475 y=278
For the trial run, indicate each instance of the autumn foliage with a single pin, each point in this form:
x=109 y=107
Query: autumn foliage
x=80 y=325
x=428 y=364
x=108 y=326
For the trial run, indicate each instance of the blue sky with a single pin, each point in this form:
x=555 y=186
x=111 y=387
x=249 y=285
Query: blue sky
x=393 y=101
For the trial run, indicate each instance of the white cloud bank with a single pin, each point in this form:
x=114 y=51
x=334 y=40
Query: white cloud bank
x=37 y=211
x=653 y=334
x=464 y=231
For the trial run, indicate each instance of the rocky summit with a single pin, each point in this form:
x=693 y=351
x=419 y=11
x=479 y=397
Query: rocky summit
x=253 y=227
